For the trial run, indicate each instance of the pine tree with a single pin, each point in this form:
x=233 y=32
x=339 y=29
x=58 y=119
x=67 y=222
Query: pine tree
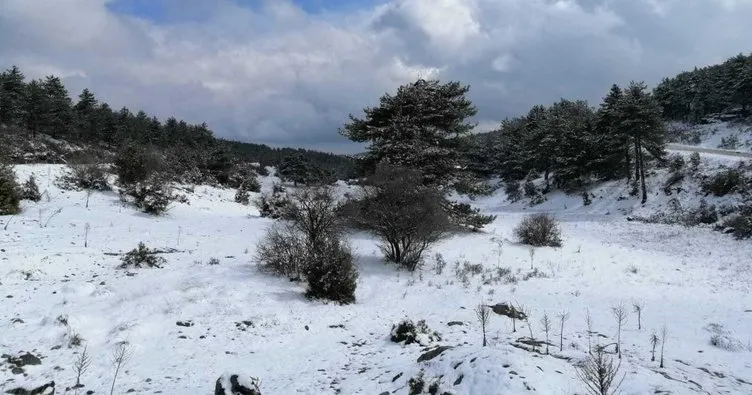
x=34 y=107
x=641 y=117
x=57 y=116
x=423 y=126
x=12 y=95
x=86 y=115
x=612 y=139
x=743 y=87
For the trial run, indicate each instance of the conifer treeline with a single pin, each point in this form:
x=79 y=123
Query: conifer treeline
x=44 y=106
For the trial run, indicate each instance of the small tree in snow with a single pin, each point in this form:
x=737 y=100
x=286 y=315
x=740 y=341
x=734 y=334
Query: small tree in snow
x=483 y=313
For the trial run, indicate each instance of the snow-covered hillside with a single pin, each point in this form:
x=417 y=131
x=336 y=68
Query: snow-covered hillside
x=733 y=136
x=693 y=281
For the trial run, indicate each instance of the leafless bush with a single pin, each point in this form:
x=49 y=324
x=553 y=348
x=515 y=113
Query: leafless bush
x=483 y=313
x=563 y=317
x=539 y=230
x=80 y=366
x=664 y=334
x=620 y=315
x=654 y=339
x=546 y=325
x=282 y=251
x=405 y=215
x=120 y=356
x=599 y=373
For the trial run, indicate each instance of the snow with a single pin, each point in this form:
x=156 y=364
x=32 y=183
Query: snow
x=694 y=281
x=712 y=134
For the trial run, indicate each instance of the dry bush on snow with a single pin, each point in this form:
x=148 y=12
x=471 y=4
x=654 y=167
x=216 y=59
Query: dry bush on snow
x=406 y=216
x=599 y=373
x=539 y=230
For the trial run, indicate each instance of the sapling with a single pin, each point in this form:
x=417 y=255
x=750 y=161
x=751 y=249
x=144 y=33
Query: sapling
x=80 y=366
x=546 y=324
x=563 y=317
x=89 y=192
x=530 y=329
x=8 y=221
x=532 y=255
x=620 y=315
x=589 y=322
x=653 y=343
x=499 y=244
x=86 y=234
x=483 y=313
x=180 y=230
x=638 y=310
x=119 y=357
x=664 y=334
x=599 y=373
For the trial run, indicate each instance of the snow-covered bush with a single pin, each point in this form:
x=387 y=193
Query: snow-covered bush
x=408 y=332
x=468 y=217
x=86 y=176
x=330 y=272
x=676 y=163
x=242 y=196
x=135 y=163
x=725 y=182
x=740 y=224
x=539 y=230
x=694 y=162
x=152 y=196
x=513 y=191
x=10 y=193
x=274 y=205
x=30 y=190
x=141 y=257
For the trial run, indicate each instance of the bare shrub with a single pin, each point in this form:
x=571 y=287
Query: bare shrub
x=120 y=356
x=80 y=366
x=405 y=215
x=282 y=251
x=599 y=373
x=546 y=325
x=483 y=313
x=620 y=315
x=539 y=230
x=309 y=244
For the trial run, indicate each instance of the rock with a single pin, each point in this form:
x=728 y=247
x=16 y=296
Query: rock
x=47 y=389
x=24 y=360
x=186 y=324
x=508 y=311
x=455 y=323
x=429 y=355
x=232 y=385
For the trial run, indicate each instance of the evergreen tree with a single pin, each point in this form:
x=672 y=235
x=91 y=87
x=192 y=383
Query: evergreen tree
x=743 y=87
x=86 y=114
x=12 y=96
x=57 y=115
x=612 y=139
x=423 y=126
x=34 y=107
x=641 y=117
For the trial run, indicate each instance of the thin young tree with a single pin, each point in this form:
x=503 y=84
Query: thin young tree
x=563 y=317
x=589 y=322
x=638 y=306
x=664 y=335
x=654 y=339
x=546 y=325
x=599 y=373
x=80 y=366
x=532 y=255
x=483 y=313
x=620 y=315
x=87 y=227
x=120 y=357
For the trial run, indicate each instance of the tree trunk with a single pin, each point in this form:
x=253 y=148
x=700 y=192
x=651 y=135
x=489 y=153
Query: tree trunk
x=642 y=173
x=627 y=161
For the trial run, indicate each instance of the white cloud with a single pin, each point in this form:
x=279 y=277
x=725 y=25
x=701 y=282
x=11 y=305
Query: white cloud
x=278 y=75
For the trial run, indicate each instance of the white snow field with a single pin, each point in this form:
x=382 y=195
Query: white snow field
x=694 y=281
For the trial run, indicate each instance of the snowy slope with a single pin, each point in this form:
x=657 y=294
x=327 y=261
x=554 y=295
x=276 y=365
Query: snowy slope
x=712 y=135
x=694 y=281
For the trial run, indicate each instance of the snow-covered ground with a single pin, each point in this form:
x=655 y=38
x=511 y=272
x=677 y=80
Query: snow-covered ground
x=693 y=281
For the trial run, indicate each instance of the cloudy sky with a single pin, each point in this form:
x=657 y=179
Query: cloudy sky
x=287 y=72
